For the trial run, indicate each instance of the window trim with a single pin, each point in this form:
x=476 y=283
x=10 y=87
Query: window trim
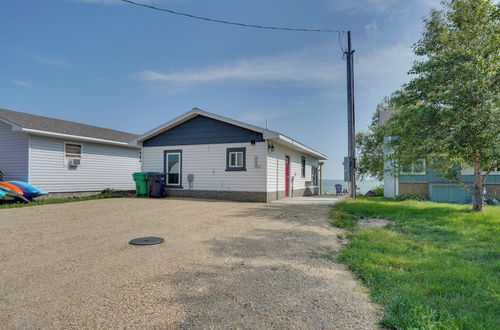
x=165 y=155
x=66 y=158
x=303 y=164
x=229 y=151
x=412 y=172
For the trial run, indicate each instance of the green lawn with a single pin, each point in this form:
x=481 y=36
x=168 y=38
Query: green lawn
x=44 y=201
x=437 y=266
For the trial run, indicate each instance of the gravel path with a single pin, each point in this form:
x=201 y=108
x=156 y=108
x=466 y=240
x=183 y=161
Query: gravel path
x=223 y=265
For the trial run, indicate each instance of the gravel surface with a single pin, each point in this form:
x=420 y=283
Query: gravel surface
x=222 y=265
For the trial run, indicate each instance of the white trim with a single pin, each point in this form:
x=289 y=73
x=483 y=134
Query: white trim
x=76 y=137
x=66 y=157
x=236 y=159
x=167 y=153
x=14 y=126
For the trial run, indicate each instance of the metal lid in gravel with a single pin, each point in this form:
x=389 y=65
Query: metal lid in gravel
x=147 y=241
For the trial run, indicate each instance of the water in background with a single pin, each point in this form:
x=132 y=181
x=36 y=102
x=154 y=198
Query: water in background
x=364 y=186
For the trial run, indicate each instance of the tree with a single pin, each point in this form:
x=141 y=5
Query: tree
x=449 y=113
x=370 y=144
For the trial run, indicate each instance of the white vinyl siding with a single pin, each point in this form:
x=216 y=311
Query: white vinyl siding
x=276 y=168
x=102 y=166
x=13 y=153
x=207 y=162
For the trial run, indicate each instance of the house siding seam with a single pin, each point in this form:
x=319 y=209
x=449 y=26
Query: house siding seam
x=102 y=166
x=203 y=130
x=13 y=153
x=433 y=176
x=207 y=162
x=276 y=169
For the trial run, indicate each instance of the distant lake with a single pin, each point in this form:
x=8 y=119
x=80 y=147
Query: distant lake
x=364 y=186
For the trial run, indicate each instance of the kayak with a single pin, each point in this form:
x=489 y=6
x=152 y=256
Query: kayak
x=12 y=187
x=29 y=191
x=2 y=194
x=11 y=195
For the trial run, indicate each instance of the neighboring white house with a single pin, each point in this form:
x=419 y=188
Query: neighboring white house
x=209 y=156
x=62 y=156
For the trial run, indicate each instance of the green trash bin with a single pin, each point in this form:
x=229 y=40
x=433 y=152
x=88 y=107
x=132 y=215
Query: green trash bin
x=141 y=184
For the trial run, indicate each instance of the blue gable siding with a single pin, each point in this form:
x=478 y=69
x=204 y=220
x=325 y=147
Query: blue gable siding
x=203 y=130
x=433 y=176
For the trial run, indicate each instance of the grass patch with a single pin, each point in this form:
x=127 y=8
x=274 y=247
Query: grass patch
x=46 y=201
x=437 y=266
x=341 y=218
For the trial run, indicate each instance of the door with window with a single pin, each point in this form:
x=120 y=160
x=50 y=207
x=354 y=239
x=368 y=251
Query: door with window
x=173 y=168
x=287 y=176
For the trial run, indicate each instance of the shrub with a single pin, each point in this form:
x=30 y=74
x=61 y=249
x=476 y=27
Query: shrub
x=407 y=197
x=378 y=191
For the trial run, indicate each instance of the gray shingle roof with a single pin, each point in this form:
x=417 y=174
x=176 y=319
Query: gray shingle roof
x=26 y=120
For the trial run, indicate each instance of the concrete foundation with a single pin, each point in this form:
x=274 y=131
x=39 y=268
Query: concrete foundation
x=240 y=196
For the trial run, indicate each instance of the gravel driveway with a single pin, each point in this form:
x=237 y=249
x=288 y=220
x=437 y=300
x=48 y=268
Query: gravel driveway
x=223 y=265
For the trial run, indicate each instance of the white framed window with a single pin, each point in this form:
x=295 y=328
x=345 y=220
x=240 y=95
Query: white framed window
x=416 y=168
x=236 y=159
x=72 y=153
x=173 y=167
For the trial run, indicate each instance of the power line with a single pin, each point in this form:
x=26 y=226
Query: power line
x=282 y=28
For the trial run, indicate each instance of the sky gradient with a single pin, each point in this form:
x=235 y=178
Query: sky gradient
x=110 y=64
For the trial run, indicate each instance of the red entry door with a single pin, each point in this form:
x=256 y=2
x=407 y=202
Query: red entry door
x=287 y=176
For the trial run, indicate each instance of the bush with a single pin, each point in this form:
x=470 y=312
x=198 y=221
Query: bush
x=378 y=191
x=407 y=197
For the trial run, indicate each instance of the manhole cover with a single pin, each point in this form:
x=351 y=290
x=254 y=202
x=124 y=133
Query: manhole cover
x=147 y=241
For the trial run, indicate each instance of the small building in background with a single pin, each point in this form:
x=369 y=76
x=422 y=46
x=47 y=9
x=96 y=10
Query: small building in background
x=60 y=156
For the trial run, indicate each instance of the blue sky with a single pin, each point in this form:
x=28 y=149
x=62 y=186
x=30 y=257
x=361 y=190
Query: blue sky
x=110 y=64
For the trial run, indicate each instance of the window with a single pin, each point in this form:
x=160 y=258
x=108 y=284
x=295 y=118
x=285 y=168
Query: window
x=173 y=168
x=417 y=167
x=236 y=159
x=72 y=154
x=314 y=175
x=303 y=162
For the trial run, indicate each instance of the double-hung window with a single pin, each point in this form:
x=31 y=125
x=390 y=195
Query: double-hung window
x=173 y=168
x=236 y=159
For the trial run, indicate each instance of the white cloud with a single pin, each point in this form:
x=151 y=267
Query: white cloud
x=258 y=116
x=45 y=60
x=372 y=26
x=21 y=83
x=115 y=2
x=317 y=66
x=362 y=5
x=296 y=67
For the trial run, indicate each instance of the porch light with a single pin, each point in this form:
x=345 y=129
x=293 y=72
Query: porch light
x=270 y=147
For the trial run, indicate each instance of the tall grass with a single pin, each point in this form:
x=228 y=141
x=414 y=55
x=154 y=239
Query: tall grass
x=436 y=267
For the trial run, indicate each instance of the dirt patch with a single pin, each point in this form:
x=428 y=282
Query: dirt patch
x=222 y=265
x=373 y=223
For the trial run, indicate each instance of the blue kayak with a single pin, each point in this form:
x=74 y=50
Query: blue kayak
x=28 y=190
x=2 y=194
x=11 y=195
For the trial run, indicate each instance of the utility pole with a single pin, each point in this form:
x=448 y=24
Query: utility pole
x=351 y=132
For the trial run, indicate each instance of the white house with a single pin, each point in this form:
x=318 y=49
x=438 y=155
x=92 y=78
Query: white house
x=209 y=156
x=62 y=156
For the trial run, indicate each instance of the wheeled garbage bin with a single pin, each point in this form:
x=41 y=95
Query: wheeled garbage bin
x=156 y=184
x=141 y=184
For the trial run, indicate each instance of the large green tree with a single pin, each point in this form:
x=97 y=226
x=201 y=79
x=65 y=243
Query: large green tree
x=449 y=112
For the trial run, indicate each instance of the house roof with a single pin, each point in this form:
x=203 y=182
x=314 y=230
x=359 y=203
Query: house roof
x=40 y=125
x=266 y=133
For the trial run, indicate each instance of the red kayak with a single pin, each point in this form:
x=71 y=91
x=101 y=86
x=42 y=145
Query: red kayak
x=12 y=187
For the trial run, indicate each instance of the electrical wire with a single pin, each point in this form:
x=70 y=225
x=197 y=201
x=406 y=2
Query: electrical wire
x=282 y=28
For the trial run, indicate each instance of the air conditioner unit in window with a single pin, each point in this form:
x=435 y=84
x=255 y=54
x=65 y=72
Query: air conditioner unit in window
x=74 y=162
